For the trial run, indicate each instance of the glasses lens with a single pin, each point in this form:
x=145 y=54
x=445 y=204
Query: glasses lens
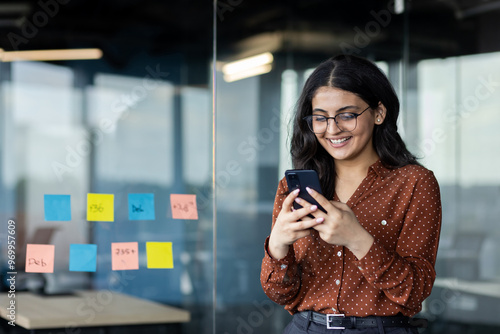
x=346 y=121
x=317 y=124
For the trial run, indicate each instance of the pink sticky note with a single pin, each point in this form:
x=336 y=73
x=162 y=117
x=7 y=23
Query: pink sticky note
x=39 y=258
x=124 y=256
x=183 y=206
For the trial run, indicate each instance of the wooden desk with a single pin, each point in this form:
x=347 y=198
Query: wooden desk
x=88 y=309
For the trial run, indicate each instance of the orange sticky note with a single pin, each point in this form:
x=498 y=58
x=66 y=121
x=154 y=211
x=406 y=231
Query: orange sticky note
x=39 y=258
x=159 y=255
x=100 y=207
x=183 y=206
x=124 y=256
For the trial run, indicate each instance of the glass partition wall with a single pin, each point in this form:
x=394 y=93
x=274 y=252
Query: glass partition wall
x=107 y=163
x=191 y=145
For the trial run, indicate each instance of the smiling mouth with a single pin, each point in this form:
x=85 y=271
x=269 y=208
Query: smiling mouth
x=339 y=141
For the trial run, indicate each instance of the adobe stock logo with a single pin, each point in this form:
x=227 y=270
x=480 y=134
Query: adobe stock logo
x=30 y=28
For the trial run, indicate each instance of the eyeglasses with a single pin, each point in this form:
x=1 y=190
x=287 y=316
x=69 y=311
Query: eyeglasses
x=346 y=121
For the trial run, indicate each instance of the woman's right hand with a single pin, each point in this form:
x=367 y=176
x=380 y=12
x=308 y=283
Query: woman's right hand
x=291 y=225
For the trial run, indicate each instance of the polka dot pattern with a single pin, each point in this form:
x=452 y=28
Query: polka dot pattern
x=401 y=209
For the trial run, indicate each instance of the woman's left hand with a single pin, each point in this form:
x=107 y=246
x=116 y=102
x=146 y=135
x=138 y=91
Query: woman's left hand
x=340 y=225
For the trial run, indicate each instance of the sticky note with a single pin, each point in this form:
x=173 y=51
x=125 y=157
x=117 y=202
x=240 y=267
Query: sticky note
x=141 y=206
x=124 y=255
x=183 y=206
x=57 y=207
x=82 y=257
x=39 y=258
x=159 y=255
x=100 y=207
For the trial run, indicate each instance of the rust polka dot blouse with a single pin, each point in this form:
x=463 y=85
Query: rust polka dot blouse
x=401 y=208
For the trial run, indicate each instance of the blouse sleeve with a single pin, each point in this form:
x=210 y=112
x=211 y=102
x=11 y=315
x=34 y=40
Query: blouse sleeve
x=407 y=275
x=280 y=279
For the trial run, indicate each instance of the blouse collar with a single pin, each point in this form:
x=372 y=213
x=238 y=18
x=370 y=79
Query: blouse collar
x=379 y=169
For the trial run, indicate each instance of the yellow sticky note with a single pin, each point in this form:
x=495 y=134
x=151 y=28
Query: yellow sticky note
x=159 y=255
x=100 y=207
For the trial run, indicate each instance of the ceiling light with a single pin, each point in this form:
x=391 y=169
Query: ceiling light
x=248 y=73
x=50 y=55
x=248 y=67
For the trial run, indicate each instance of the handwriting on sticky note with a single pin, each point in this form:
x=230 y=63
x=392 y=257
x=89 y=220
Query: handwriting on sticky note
x=183 y=206
x=138 y=208
x=40 y=262
x=100 y=207
x=39 y=258
x=159 y=255
x=124 y=251
x=124 y=256
x=96 y=208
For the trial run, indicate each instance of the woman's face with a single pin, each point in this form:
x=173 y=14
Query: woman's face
x=354 y=145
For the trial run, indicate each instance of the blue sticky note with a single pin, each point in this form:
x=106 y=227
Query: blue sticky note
x=82 y=257
x=141 y=206
x=57 y=207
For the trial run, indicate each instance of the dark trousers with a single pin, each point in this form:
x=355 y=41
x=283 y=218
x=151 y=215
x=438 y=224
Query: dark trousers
x=301 y=325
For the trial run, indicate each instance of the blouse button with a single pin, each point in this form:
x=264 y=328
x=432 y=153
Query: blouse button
x=283 y=266
x=339 y=253
x=337 y=282
x=384 y=222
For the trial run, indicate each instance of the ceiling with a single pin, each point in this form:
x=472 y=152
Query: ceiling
x=123 y=28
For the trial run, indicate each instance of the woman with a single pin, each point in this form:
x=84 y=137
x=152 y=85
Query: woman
x=367 y=264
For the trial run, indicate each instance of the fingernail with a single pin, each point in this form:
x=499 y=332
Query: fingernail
x=320 y=220
x=309 y=190
x=313 y=207
x=298 y=200
x=296 y=191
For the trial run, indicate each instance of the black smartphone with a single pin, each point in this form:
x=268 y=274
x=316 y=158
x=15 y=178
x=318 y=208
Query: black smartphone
x=302 y=178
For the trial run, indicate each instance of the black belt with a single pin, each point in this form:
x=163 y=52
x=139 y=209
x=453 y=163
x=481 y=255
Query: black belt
x=339 y=321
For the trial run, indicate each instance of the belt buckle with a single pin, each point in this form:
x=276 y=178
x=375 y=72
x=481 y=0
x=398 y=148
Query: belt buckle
x=328 y=318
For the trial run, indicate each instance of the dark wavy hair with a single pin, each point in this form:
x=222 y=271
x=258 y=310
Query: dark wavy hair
x=363 y=78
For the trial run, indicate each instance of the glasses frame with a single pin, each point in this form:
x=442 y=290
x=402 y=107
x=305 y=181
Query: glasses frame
x=308 y=120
